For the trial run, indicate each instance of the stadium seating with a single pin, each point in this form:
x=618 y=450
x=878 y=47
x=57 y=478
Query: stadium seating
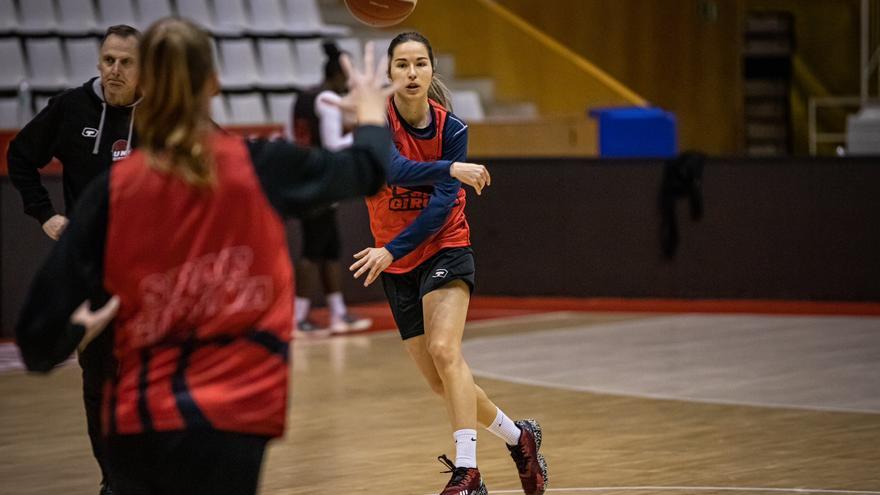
x=82 y=57
x=46 y=63
x=466 y=104
x=9 y=117
x=116 y=12
x=197 y=11
x=218 y=110
x=37 y=17
x=229 y=17
x=77 y=17
x=238 y=64
x=266 y=50
x=267 y=17
x=149 y=11
x=8 y=17
x=247 y=108
x=12 y=61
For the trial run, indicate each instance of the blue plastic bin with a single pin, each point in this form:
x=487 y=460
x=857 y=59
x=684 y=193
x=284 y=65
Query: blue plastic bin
x=636 y=132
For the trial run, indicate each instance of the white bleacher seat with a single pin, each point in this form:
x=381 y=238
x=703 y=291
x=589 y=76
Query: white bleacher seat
x=247 y=108
x=8 y=16
x=276 y=63
x=466 y=105
x=82 y=59
x=266 y=17
x=46 y=61
x=77 y=17
x=37 y=16
x=196 y=11
x=117 y=12
x=230 y=17
x=12 y=61
x=9 y=114
x=354 y=48
x=40 y=103
x=280 y=107
x=281 y=111
x=149 y=11
x=308 y=57
x=304 y=17
x=239 y=64
x=380 y=48
x=218 y=110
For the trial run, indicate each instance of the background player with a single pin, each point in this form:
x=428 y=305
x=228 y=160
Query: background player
x=318 y=122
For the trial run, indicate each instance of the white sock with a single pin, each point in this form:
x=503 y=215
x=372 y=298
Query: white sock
x=301 y=306
x=336 y=304
x=465 y=448
x=505 y=429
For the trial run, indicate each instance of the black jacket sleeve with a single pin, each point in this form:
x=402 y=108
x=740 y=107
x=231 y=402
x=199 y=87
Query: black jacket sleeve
x=73 y=272
x=297 y=179
x=30 y=150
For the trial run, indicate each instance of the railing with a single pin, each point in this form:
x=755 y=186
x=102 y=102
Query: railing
x=814 y=106
x=869 y=62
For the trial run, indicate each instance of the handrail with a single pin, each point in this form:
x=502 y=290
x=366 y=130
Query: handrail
x=815 y=103
x=565 y=52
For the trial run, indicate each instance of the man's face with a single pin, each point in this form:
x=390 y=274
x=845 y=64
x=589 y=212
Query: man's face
x=118 y=65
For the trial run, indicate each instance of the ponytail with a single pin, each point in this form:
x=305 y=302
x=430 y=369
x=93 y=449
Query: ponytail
x=438 y=92
x=176 y=62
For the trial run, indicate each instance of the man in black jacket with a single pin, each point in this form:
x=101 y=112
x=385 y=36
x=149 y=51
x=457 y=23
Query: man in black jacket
x=86 y=129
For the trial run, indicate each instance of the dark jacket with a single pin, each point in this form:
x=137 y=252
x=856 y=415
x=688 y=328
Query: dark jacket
x=81 y=130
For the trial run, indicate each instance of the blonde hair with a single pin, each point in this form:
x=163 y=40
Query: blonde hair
x=176 y=64
x=438 y=90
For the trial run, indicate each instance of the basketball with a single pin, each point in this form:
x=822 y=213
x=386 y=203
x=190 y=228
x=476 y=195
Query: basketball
x=380 y=13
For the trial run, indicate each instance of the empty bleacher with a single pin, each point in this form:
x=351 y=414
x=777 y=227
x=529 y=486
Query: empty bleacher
x=267 y=51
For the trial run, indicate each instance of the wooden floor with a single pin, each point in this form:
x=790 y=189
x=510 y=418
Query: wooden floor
x=362 y=421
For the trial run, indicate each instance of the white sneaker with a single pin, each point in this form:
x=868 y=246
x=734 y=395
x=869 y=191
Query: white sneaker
x=349 y=323
x=308 y=328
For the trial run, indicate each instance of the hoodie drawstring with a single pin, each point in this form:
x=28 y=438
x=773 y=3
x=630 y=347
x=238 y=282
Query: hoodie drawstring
x=101 y=128
x=130 y=130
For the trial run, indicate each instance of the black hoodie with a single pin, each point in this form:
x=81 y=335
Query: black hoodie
x=79 y=128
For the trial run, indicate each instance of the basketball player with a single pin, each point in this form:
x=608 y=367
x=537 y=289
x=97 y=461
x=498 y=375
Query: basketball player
x=319 y=121
x=87 y=128
x=427 y=269
x=187 y=235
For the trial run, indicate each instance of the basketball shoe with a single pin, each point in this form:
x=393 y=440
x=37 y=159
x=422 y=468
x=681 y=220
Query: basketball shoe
x=464 y=481
x=530 y=464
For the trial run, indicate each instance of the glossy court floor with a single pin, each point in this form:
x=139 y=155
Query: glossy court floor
x=631 y=403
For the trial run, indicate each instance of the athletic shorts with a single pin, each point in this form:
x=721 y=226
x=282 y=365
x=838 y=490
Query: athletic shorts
x=405 y=291
x=320 y=235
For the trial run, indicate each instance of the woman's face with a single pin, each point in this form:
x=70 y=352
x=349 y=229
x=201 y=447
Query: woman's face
x=411 y=66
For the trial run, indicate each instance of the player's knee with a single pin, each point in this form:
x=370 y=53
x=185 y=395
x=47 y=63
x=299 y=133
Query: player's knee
x=443 y=353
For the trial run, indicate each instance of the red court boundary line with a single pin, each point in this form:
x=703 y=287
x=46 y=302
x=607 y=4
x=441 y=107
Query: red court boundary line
x=759 y=306
x=491 y=307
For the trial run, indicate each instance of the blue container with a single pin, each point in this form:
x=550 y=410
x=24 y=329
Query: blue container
x=636 y=132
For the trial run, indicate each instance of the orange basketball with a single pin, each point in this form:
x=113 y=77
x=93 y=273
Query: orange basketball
x=380 y=13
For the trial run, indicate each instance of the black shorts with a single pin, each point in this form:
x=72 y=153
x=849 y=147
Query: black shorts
x=320 y=235
x=406 y=290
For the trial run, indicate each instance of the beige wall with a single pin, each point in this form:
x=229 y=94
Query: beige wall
x=664 y=50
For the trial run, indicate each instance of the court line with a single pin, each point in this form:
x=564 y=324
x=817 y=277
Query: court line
x=680 y=398
x=698 y=489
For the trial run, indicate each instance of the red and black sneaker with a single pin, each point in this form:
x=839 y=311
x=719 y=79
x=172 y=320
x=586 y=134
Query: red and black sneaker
x=530 y=464
x=464 y=481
